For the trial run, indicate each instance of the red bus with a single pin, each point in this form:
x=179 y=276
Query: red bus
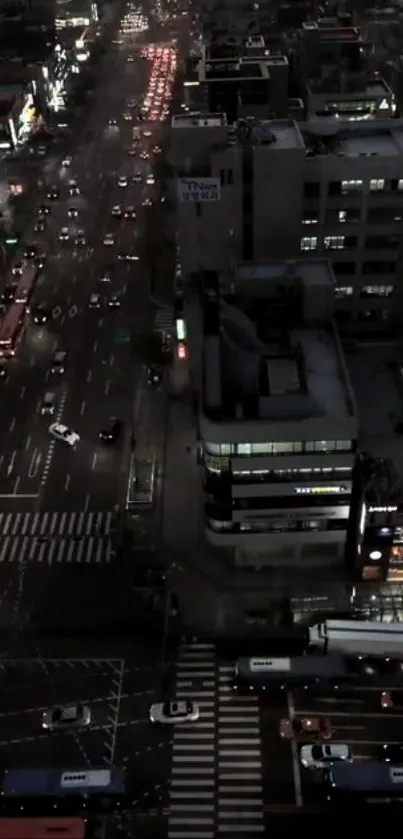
x=11 y=328
x=26 y=283
x=42 y=828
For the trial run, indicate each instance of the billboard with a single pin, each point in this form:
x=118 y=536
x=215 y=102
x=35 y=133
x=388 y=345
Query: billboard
x=198 y=189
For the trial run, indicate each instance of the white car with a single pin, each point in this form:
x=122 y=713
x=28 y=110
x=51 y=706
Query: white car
x=116 y=211
x=109 y=239
x=319 y=755
x=67 y=161
x=174 y=712
x=64 y=434
x=150 y=180
x=137 y=178
x=122 y=181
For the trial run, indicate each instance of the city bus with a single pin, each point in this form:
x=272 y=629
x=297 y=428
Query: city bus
x=66 y=792
x=37 y=828
x=26 y=284
x=364 y=782
x=271 y=674
x=357 y=638
x=11 y=328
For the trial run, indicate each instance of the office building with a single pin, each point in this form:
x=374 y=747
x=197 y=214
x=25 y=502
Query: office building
x=276 y=190
x=278 y=422
x=240 y=81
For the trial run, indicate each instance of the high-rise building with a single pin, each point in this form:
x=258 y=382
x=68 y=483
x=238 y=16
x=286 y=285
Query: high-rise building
x=278 y=190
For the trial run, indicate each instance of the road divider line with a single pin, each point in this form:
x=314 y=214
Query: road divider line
x=296 y=772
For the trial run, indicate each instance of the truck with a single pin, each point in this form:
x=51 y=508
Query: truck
x=350 y=637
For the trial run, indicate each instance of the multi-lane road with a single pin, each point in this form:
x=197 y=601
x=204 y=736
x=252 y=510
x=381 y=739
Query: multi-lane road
x=41 y=479
x=101 y=373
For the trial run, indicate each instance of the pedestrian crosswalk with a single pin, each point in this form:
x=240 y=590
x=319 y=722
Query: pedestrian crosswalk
x=164 y=320
x=239 y=763
x=55 y=524
x=56 y=537
x=216 y=785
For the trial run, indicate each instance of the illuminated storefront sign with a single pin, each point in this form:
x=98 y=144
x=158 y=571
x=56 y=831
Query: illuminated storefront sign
x=320 y=490
x=21 y=124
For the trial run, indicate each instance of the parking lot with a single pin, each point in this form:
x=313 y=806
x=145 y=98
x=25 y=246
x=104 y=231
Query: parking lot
x=119 y=695
x=356 y=720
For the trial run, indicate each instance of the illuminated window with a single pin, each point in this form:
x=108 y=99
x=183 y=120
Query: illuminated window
x=309 y=243
x=376 y=184
x=343 y=291
x=351 y=186
x=334 y=243
x=376 y=291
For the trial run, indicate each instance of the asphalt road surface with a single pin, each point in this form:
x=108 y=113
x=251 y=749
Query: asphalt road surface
x=57 y=503
x=101 y=373
x=66 y=598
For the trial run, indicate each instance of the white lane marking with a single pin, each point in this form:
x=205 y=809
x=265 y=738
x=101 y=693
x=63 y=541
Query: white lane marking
x=95 y=346
x=107 y=386
x=82 y=409
x=12 y=424
x=87 y=502
x=67 y=482
x=294 y=754
x=34 y=464
x=89 y=375
x=28 y=442
x=94 y=460
x=52 y=444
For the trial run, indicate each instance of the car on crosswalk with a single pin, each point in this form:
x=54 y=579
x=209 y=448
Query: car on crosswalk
x=320 y=755
x=63 y=433
x=174 y=712
x=76 y=715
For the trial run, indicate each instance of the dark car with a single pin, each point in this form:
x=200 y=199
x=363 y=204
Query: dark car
x=53 y=194
x=111 y=433
x=30 y=251
x=3 y=373
x=130 y=212
x=7 y=295
x=390 y=753
x=44 y=210
x=40 y=226
x=41 y=313
x=392 y=700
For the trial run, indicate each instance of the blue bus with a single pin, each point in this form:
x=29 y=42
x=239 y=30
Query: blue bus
x=64 y=791
x=271 y=674
x=365 y=782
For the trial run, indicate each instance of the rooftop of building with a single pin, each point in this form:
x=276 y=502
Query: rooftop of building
x=344 y=84
x=224 y=69
x=261 y=361
x=322 y=32
x=353 y=139
x=198 y=120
